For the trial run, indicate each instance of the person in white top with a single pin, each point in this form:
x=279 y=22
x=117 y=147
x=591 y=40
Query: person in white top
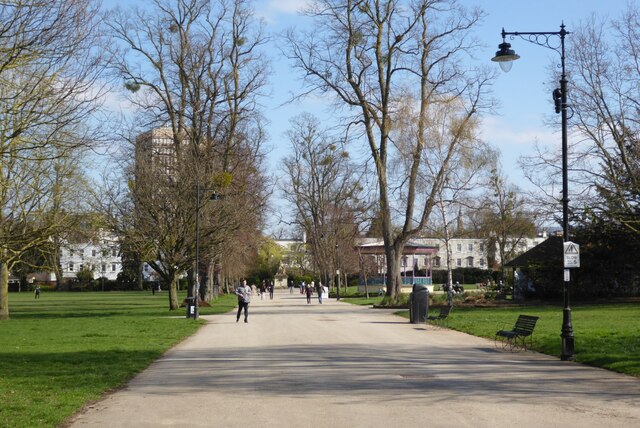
x=244 y=298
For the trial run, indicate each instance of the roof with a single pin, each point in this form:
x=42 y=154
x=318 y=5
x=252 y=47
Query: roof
x=548 y=252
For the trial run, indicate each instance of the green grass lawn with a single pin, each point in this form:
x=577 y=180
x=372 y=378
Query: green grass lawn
x=605 y=335
x=66 y=349
x=362 y=301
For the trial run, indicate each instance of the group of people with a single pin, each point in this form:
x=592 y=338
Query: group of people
x=244 y=292
x=309 y=288
x=455 y=288
x=265 y=287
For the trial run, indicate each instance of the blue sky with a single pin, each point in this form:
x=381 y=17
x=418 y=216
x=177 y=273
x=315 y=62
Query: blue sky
x=524 y=92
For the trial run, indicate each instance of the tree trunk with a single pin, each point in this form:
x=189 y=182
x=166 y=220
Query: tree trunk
x=4 y=291
x=393 y=273
x=173 y=292
x=209 y=291
x=57 y=268
x=217 y=267
x=140 y=277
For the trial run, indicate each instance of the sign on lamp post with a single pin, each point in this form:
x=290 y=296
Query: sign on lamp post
x=571 y=252
x=571 y=257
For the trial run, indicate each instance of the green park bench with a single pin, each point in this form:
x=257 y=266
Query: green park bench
x=516 y=338
x=444 y=313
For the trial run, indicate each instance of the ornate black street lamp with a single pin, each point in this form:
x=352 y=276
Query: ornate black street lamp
x=504 y=57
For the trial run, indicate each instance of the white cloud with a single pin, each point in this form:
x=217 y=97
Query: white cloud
x=498 y=132
x=273 y=11
x=286 y=6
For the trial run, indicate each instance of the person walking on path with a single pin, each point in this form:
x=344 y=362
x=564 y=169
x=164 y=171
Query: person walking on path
x=309 y=291
x=270 y=290
x=320 y=292
x=244 y=297
x=263 y=289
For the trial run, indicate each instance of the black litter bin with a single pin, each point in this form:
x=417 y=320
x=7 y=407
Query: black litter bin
x=418 y=304
x=190 y=304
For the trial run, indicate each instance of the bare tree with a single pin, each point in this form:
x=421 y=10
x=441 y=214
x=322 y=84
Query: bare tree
x=371 y=54
x=604 y=88
x=506 y=218
x=49 y=92
x=201 y=74
x=468 y=172
x=605 y=99
x=325 y=187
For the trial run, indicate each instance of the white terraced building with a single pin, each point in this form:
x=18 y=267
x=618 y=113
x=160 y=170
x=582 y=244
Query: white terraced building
x=101 y=257
x=465 y=252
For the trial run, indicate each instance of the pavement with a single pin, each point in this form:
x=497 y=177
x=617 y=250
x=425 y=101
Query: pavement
x=338 y=365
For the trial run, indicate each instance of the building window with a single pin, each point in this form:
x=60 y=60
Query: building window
x=114 y=252
x=71 y=252
x=459 y=262
x=470 y=247
x=113 y=267
x=482 y=246
x=81 y=254
x=459 y=247
x=469 y=261
x=481 y=262
x=80 y=267
x=104 y=267
x=70 y=267
x=93 y=253
x=436 y=262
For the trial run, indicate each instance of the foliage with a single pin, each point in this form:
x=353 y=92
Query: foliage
x=608 y=260
x=608 y=265
x=464 y=276
x=85 y=276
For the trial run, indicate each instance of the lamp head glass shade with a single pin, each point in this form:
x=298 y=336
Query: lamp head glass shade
x=505 y=56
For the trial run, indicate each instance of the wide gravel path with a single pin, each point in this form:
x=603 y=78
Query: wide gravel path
x=338 y=365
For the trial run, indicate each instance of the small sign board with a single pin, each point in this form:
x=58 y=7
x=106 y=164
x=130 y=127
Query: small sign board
x=571 y=252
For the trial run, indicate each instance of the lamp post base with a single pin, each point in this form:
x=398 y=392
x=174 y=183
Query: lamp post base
x=567 y=337
x=567 y=349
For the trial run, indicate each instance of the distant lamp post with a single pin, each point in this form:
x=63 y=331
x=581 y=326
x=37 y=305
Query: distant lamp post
x=505 y=57
x=196 y=283
x=337 y=273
